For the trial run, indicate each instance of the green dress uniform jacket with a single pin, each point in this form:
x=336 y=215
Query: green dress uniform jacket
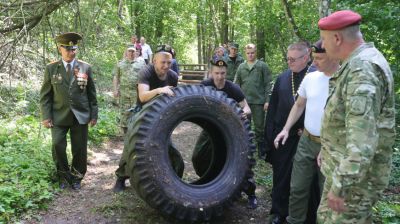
x=60 y=95
x=232 y=66
x=357 y=135
x=70 y=105
x=255 y=82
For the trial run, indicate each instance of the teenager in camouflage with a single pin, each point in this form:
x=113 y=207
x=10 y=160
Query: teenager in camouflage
x=358 y=128
x=125 y=84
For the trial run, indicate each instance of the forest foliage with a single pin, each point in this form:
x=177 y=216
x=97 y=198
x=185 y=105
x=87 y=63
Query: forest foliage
x=193 y=28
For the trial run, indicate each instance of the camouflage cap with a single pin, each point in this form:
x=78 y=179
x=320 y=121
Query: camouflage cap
x=234 y=45
x=131 y=47
x=69 y=39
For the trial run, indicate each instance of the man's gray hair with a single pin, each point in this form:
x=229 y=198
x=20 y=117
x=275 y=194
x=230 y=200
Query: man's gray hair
x=352 y=33
x=299 y=46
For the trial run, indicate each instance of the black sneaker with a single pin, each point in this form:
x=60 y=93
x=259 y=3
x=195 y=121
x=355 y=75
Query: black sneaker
x=63 y=185
x=278 y=220
x=252 y=202
x=119 y=185
x=76 y=185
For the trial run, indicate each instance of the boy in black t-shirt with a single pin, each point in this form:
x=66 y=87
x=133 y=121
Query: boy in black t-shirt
x=203 y=148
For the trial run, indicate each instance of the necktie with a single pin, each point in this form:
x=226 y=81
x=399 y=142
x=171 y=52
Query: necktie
x=69 y=71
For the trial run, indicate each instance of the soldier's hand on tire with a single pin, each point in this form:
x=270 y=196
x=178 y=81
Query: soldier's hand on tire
x=48 y=123
x=166 y=90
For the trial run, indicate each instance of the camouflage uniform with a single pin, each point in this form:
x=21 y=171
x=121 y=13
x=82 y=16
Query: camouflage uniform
x=126 y=73
x=357 y=136
x=255 y=82
x=232 y=66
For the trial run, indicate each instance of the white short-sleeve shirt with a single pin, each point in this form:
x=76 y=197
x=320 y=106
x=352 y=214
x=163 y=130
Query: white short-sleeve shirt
x=314 y=88
x=146 y=51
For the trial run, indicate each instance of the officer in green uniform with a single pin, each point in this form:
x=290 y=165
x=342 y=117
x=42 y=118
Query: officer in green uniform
x=254 y=78
x=68 y=103
x=125 y=84
x=358 y=128
x=233 y=60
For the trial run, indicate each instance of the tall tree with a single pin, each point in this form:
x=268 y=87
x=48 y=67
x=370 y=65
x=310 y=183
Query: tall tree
x=290 y=18
x=324 y=8
x=225 y=22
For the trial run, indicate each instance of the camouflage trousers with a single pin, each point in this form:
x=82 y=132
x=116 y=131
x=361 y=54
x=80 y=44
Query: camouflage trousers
x=359 y=201
x=125 y=103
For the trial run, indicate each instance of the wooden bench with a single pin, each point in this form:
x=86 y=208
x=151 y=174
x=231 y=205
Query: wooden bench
x=192 y=73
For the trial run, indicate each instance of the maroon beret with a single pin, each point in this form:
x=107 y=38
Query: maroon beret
x=339 y=20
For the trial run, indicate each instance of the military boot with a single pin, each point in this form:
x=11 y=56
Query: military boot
x=252 y=202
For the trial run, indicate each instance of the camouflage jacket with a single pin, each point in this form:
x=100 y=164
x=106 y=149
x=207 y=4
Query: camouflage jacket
x=232 y=66
x=358 y=128
x=127 y=76
x=255 y=82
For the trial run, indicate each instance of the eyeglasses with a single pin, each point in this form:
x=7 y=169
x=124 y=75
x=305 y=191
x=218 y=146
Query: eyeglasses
x=164 y=48
x=291 y=60
x=70 y=48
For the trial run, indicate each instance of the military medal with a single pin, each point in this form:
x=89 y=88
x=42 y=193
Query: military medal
x=81 y=79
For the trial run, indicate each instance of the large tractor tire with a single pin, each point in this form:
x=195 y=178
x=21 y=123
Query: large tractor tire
x=151 y=171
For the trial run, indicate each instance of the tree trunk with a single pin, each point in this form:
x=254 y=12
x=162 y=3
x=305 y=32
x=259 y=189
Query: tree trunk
x=290 y=19
x=214 y=22
x=232 y=33
x=324 y=8
x=136 y=13
x=225 y=22
x=199 y=39
x=260 y=28
x=120 y=7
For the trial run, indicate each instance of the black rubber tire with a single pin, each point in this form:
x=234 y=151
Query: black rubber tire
x=152 y=175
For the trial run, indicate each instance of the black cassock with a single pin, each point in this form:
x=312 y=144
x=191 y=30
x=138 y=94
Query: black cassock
x=280 y=104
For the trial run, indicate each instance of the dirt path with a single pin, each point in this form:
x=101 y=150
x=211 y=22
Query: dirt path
x=96 y=202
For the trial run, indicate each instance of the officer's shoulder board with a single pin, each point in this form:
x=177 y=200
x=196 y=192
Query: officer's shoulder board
x=84 y=62
x=53 y=62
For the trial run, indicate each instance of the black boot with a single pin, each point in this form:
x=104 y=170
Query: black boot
x=279 y=220
x=252 y=202
x=119 y=185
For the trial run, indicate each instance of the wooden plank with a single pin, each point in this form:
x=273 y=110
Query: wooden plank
x=186 y=82
x=197 y=67
x=191 y=72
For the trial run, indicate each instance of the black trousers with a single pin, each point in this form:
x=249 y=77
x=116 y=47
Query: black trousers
x=79 y=136
x=203 y=155
x=282 y=163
